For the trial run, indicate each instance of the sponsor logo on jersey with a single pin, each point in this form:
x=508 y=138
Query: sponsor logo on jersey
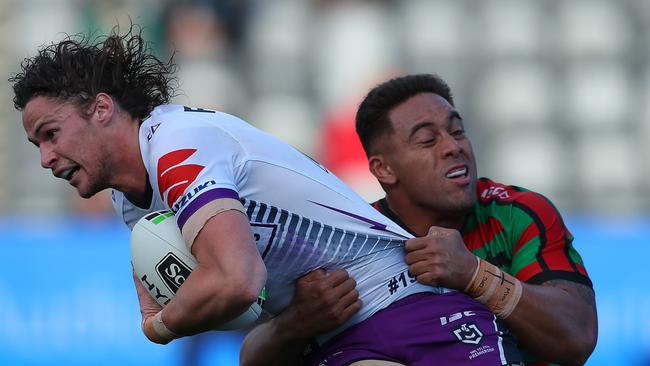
x=173 y=271
x=173 y=177
x=188 y=196
x=494 y=191
x=456 y=316
x=468 y=333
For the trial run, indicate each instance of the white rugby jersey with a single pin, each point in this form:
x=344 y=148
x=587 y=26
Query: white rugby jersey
x=302 y=216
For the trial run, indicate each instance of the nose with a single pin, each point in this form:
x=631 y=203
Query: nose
x=48 y=156
x=451 y=147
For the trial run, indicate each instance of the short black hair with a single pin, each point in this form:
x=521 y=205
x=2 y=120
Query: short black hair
x=372 y=116
x=81 y=66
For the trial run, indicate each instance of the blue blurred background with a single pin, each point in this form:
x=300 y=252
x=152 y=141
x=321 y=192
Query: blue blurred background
x=556 y=95
x=67 y=297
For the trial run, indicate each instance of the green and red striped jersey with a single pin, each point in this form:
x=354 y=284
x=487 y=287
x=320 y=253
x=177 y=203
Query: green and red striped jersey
x=519 y=231
x=522 y=233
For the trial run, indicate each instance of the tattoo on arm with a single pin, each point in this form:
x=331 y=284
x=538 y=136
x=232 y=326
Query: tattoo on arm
x=585 y=293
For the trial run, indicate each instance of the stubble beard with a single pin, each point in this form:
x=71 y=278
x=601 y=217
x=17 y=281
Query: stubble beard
x=462 y=204
x=97 y=182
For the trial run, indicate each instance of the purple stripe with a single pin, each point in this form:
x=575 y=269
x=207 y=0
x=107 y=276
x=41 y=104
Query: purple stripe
x=202 y=200
x=375 y=225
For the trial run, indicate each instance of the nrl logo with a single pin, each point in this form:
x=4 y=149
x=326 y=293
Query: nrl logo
x=468 y=333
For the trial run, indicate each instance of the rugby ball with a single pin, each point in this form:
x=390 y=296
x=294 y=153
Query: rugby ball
x=162 y=261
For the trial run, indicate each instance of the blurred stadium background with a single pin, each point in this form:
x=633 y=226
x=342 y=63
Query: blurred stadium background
x=556 y=95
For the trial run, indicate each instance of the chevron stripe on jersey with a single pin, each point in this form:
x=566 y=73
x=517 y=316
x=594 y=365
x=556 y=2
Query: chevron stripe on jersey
x=288 y=241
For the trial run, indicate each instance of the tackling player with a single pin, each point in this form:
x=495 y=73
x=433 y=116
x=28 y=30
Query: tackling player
x=252 y=209
x=479 y=233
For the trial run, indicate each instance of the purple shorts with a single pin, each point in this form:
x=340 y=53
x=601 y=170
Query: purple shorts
x=424 y=329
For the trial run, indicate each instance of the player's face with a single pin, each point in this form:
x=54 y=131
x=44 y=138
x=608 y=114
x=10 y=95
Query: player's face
x=70 y=145
x=431 y=156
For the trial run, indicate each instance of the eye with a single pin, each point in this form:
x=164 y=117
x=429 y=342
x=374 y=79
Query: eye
x=424 y=135
x=426 y=138
x=458 y=132
x=51 y=134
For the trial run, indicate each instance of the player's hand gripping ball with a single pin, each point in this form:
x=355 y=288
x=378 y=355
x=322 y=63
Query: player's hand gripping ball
x=162 y=261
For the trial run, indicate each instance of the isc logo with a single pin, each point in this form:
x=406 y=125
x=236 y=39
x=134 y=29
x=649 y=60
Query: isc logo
x=452 y=318
x=173 y=271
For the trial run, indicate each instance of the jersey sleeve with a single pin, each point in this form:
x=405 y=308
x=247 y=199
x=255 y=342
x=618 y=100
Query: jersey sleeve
x=543 y=246
x=194 y=169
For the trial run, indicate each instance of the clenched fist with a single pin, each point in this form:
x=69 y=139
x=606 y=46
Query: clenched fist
x=441 y=259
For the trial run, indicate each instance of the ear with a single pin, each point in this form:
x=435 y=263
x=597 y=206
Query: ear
x=381 y=169
x=104 y=107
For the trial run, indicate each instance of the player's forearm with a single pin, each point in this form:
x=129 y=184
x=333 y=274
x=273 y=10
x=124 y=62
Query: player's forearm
x=207 y=300
x=269 y=344
x=229 y=276
x=556 y=321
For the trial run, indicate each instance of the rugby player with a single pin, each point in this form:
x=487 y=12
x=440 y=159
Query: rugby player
x=475 y=231
x=253 y=210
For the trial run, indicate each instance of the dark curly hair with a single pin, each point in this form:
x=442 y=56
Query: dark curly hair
x=80 y=66
x=372 y=116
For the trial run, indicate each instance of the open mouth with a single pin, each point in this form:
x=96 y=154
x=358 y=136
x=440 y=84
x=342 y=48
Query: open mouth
x=457 y=172
x=70 y=173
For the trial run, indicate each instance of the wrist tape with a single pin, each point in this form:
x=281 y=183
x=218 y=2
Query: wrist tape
x=499 y=291
x=161 y=329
